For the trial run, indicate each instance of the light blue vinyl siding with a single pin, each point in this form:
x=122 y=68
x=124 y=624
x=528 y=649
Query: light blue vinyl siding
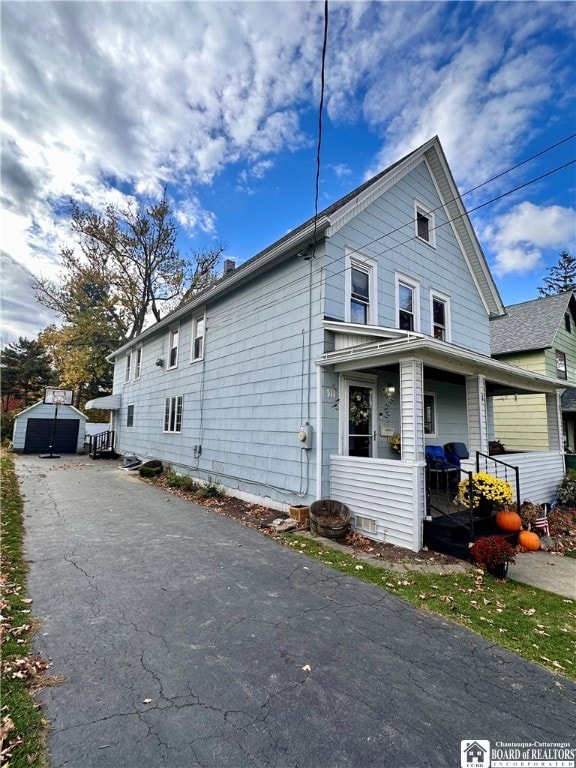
x=441 y=269
x=245 y=401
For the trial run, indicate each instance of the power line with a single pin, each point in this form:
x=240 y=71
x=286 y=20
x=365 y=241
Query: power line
x=320 y=111
x=413 y=238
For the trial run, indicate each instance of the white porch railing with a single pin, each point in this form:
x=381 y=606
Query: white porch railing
x=386 y=497
x=540 y=473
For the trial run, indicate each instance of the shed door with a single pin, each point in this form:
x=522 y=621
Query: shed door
x=39 y=435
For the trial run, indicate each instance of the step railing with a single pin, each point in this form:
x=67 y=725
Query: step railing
x=442 y=493
x=103 y=441
x=502 y=470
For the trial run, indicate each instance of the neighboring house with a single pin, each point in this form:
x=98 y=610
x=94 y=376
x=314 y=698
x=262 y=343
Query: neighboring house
x=538 y=335
x=286 y=379
x=43 y=425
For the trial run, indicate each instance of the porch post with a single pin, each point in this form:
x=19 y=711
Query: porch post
x=412 y=409
x=554 y=419
x=477 y=414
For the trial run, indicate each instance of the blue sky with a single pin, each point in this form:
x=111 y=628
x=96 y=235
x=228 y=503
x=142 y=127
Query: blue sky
x=108 y=102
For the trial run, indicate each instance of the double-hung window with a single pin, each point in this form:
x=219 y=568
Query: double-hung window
x=425 y=227
x=138 y=363
x=360 y=290
x=128 y=367
x=440 y=320
x=173 y=414
x=561 y=370
x=198 y=332
x=173 y=348
x=407 y=303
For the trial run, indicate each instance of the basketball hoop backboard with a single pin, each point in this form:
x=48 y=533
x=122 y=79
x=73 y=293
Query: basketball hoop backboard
x=58 y=396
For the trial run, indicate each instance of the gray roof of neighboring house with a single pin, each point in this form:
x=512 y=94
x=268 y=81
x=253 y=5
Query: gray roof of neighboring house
x=530 y=325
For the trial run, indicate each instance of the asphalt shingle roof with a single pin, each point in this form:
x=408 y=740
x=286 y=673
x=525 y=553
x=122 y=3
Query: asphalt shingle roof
x=529 y=325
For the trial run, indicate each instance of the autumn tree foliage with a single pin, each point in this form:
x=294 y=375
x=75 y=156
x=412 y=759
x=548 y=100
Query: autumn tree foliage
x=561 y=276
x=127 y=266
x=26 y=371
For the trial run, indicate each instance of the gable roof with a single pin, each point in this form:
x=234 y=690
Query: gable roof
x=61 y=408
x=337 y=214
x=530 y=325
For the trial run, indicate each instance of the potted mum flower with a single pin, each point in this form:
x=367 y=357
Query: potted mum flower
x=488 y=491
x=493 y=553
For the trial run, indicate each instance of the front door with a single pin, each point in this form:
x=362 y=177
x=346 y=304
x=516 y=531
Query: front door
x=359 y=422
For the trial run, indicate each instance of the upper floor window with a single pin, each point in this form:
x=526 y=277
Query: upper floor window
x=567 y=323
x=198 y=326
x=424 y=224
x=138 y=363
x=360 y=290
x=561 y=370
x=128 y=367
x=407 y=302
x=440 y=317
x=173 y=414
x=173 y=348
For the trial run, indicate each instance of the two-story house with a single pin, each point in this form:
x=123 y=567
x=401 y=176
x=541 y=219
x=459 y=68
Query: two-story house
x=286 y=379
x=538 y=335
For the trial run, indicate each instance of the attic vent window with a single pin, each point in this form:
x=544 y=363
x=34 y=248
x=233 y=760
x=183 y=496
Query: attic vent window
x=567 y=323
x=425 y=228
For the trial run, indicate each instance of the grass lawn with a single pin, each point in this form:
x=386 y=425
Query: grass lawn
x=537 y=625
x=23 y=728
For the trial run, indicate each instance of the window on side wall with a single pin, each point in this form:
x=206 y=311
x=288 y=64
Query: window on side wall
x=440 y=317
x=130 y=416
x=561 y=370
x=407 y=300
x=128 y=367
x=138 y=363
x=430 y=415
x=424 y=224
x=173 y=348
x=198 y=332
x=360 y=290
x=173 y=414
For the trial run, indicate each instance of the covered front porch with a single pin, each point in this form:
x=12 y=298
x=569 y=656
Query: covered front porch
x=384 y=402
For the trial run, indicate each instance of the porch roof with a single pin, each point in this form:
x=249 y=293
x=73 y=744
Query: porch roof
x=108 y=402
x=442 y=355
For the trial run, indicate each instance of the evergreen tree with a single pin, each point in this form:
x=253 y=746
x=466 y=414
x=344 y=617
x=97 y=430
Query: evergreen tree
x=26 y=371
x=561 y=277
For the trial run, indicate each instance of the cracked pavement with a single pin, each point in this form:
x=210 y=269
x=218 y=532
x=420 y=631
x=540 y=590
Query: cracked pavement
x=185 y=637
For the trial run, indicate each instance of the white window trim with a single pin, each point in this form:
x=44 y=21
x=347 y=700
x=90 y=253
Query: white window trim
x=367 y=264
x=410 y=283
x=173 y=403
x=174 y=329
x=434 y=413
x=128 y=368
x=137 y=363
x=424 y=210
x=447 y=313
x=195 y=320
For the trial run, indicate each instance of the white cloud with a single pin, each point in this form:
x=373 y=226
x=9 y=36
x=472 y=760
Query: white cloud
x=519 y=238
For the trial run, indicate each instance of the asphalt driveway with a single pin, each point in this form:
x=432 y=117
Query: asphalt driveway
x=189 y=640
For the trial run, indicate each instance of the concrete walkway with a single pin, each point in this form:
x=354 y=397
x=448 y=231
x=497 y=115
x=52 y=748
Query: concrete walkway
x=546 y=570
x=188 y=640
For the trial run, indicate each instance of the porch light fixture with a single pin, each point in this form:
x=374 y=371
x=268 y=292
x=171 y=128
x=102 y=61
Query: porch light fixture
x=389 y=390
x=160 y=362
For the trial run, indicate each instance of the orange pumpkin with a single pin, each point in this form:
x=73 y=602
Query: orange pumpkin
x=508 y=520
x=529 y=540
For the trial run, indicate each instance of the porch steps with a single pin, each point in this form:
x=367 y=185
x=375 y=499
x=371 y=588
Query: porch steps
x=451 y=535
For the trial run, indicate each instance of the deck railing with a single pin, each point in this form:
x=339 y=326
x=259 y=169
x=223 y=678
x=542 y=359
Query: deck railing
x=103 y=441
x=500 y=469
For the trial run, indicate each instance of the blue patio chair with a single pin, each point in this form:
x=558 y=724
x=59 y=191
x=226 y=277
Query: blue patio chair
x=440 y=467
x=455 y=452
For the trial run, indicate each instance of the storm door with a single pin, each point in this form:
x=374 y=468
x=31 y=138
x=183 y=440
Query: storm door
x=359 y=424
